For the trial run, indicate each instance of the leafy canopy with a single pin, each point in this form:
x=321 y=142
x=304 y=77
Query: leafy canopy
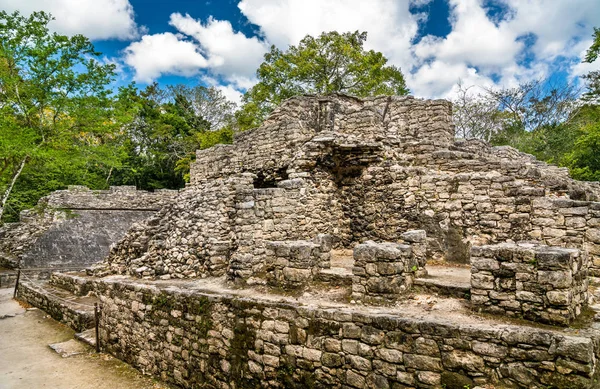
x=332 y=62
x=55 y=105
x=165 y=129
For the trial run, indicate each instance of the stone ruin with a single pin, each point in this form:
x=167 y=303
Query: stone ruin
x=314 y=250
x=70 y=229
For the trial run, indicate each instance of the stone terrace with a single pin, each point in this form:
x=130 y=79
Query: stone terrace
x=298 y=256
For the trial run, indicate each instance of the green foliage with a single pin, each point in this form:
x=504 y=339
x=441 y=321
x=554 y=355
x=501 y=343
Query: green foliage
x=592 y=53
x=592 y=94
x=332 y=62
x=55 y=103
x=165 y=129
x=539 y=118
x=61 y=124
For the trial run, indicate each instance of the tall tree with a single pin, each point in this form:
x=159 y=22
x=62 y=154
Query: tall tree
x=332 y=62
x=502 y=115
x=592 y=94
x=54 y=99
x=167 y=127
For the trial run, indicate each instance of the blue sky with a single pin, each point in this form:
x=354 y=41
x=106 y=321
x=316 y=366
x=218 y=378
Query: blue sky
x=436 y=43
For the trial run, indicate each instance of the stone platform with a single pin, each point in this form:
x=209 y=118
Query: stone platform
x=215 y=335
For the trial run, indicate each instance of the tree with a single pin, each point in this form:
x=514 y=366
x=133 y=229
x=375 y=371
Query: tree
x=592 y=94
x=332 y=62
x=594 y=50
x=207 y=102
x=502 y=115
x=475 y=115
x=583 y=159
x=166 y=128
x=54 y=100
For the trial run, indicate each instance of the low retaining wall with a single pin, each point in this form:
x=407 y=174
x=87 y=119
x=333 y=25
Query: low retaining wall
x=194 y=339
x=77 y=319
x=536 y=282
x=293 y=264
x=382 y=271
x=79 y=286
x=8 y=279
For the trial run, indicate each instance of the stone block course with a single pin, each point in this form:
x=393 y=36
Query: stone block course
x=383 y=271
x=536 y=282
x=293 y=264
x=220 y=341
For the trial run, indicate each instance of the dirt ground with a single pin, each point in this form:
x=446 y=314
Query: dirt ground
x=27 y=362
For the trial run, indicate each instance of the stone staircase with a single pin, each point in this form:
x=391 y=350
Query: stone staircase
x=66 y=298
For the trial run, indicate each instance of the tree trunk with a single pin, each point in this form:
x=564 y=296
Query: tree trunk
x=10 y=187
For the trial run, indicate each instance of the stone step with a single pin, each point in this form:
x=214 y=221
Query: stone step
x=75 y=311
x=336 y=276
x=88 y=337
x=69 y=348
x=446 y=281
x=7 y=278
x=75 y=282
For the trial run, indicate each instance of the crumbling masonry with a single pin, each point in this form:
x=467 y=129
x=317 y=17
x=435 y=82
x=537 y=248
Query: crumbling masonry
x=188 y=293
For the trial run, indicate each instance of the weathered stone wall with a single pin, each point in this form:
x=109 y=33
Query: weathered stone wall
x=413 y=125
x=459 y=209
x=116 y=198
x=193 y=339
x=296 y=263
x=78 y=317
x=298 y=209
x=75 y=227
x=538 y=283
x=190 y=237
x=382 y=271
x=220 y=226
x=369 y=170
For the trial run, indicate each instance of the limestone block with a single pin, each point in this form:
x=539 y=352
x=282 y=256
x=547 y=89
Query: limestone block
x=541 y=283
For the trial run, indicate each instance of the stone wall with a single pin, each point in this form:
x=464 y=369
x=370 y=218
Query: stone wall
x=221 y=226
x=461 y=209
x=382 y=271
x=296 y=263
x=190 y=237
x=75 y=227
x=538 y=283
x=414 y=125
x=298 y=209
x=116 y=198
x=193 y=339
x=361 y=170
x=78 y=317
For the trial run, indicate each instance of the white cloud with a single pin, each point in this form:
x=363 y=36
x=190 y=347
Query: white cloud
x=96 y=19
x=439 y=79
x=480 y=49
x=495 y=49
x=231 y=54
x=231 y=93
x=474 y=39
x=557 y=24
x=389 y=23
x=165 y=53
x=581 y=68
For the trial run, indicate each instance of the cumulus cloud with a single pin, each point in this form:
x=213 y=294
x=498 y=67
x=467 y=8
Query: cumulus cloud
x=158 y=54
x=557 y=24
x=96 y=19
x=212 y=46
x=439 y=79
x=230 y=54
x=390 y=25
x=474 y=39
x=521 y=44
